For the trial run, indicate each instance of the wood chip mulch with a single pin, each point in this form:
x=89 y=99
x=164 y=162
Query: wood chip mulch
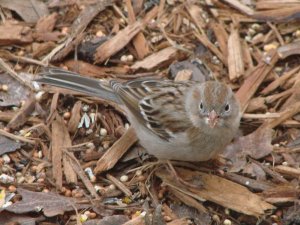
x=67 y=158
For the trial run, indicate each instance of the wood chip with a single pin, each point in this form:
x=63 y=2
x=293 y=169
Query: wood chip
x=207 y=43
x=119 y=184
x=47 y=23
x=280 y=81
x=139 y=41
x=219 y=190
x=235 y=55
x=115 y=152
x=77 y=28
x=23 y=115
x=221 y=35
x=289 y=49
x=75 y=117
x=57 y=143
x=251 y=84
x=156 y=59
x=14 y=33
x=79 y=171
x=240 y=6
x=123 y=37
x=289 y=171
x=284 y=115
x=69 y=171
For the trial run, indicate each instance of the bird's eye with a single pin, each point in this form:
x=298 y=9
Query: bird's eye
x=201 y=106
x=227 y=108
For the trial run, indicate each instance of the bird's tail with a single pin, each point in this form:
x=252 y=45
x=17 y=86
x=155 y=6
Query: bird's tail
x=73 y=81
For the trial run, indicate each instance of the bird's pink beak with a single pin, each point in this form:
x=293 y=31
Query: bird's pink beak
x=213 y=118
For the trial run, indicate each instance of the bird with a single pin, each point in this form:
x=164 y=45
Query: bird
x=173 y=120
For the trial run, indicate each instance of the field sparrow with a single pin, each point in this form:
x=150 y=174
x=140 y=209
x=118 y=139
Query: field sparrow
x=184 y=121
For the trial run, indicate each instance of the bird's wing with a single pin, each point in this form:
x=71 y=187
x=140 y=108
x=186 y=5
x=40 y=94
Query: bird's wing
x=156 y=104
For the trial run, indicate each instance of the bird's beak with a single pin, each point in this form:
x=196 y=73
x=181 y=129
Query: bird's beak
x=213 y=118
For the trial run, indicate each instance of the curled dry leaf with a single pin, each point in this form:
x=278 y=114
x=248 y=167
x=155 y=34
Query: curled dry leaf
x=16 y=92
x=184 y=211
x=29 y=10
x=255 y=145
x=11 y=218
x=50 y=203
x=8 y=145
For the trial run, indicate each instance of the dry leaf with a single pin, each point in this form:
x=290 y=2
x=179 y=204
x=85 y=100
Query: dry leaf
x=255 y=145
x=108 y=220
x=7 y=218
x=50 y=203
x=29 y=10
x=8 y=145
x=16 y=92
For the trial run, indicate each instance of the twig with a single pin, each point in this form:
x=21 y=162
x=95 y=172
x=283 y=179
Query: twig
x=12 y=73
x=119 y=184
x=15 y=137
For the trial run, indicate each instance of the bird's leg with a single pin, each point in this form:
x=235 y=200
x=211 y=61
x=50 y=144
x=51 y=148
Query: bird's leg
x=181 y=180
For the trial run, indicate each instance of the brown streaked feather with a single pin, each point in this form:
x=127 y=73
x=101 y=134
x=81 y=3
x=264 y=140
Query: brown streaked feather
x=218 y=95
x=144 y=97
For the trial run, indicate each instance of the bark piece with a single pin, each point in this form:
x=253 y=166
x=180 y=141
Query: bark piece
x=61 y=140
x=278 y=15
x=280 y=81
x=221 y=35
x=240 y=6
x=289 y=49
x=286 y=193
x=69 y=171
x=57 y=143
x=23 y=115
x=75 y=117
x=251 y=84
x=115 y=152
x=90 y=70
x=288 y=171
x=14 y=33
x=47 y=23
x=118 y=42
x=79 y=171
x=235 y=55
x=156 y=59
x=207 y=43
x=275 y=4
x=122 y=38
x=42 y=49
x=219 y=190
x=195 y=11
x=78 y=27
x=284 y=115
x=139 y=41
x=119 y=184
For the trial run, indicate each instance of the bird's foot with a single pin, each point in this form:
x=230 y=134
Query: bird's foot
x=195 y=182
